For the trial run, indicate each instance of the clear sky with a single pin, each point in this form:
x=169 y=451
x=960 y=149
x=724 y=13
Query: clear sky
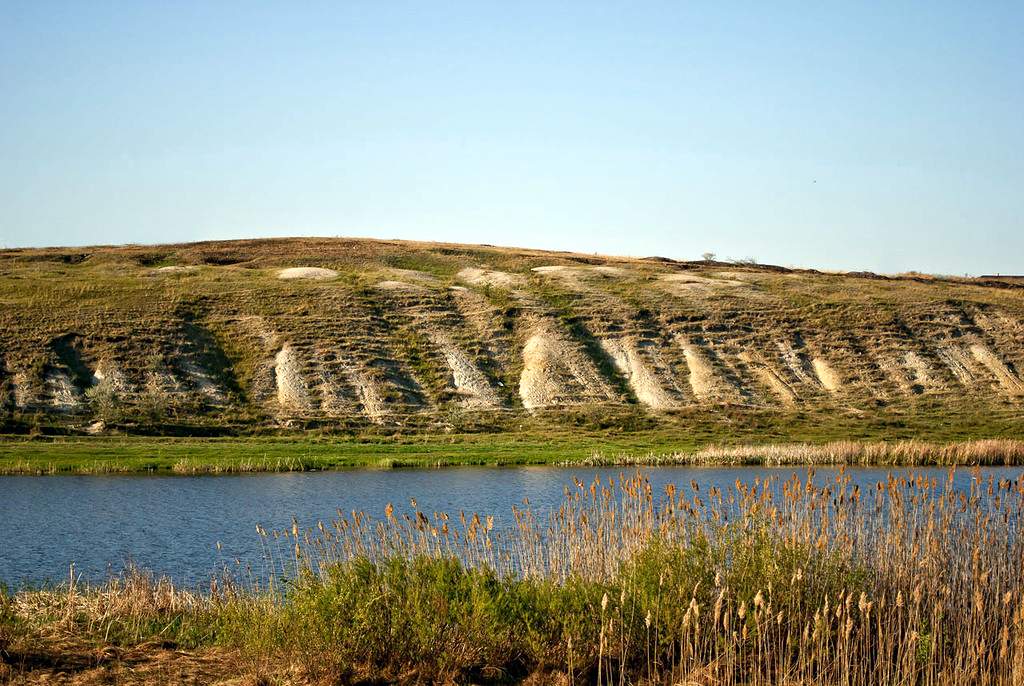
x=885 y=136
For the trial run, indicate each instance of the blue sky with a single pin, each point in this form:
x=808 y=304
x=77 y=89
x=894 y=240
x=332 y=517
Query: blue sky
x=885 y=136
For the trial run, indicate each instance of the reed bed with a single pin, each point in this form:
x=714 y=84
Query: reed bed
x=797 y=582
x=895 y=453
x=793 y=581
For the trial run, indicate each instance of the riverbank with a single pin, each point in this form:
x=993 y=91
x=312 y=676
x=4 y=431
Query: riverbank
x=103 y=455
x=809 y=582
x=126 y=455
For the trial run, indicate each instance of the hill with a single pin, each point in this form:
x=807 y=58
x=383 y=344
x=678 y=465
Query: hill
x=366 y=337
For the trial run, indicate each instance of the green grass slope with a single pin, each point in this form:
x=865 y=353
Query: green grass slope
x=419 y=342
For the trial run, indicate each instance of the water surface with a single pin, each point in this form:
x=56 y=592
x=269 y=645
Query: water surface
x=173 y=524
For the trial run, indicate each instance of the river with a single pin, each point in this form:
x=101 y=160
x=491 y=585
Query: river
x=188 y=527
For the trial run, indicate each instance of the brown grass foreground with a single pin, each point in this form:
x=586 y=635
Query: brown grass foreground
x=797 y=582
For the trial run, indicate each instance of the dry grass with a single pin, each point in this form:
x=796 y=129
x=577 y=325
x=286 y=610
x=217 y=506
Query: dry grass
x=904 y=453
x=135 y=629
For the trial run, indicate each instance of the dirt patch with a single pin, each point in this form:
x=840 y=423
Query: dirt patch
x=608 y=270
x=309 y=273
x=335 y=400
x=642 y=379
x=909 y=371
x=492 y=278
x=771 y=378
x=206 y=368
x=329 y=382
x=896 y=372
x=960 y=363
x=705 y=381
x=203 y=382
x=110 y=376
x=574 y=277
x=556 y=372
x=998 y=324
x=920 y=370
x=476 y=310
x=400 y=286
x=292 y=391
x=22 y=390
x=579 y=276
x=494 y=328
x=467 y=380
x=695 y=279
x=59 y=387
x=1014 y=326
x=174 y=269
x=686 y=285
x=371 y=396
x=778 y=386
x=827 y=375
x=261 y=342
x=1004 y=375
x=963 y=363
x=797 y=363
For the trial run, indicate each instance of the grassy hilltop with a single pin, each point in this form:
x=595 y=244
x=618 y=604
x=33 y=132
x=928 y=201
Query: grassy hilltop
x=432 y=352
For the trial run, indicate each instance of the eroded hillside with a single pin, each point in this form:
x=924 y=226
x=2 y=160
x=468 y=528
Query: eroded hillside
x=349 y=335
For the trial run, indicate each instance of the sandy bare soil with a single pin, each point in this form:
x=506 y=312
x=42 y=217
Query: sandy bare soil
x=310 y=273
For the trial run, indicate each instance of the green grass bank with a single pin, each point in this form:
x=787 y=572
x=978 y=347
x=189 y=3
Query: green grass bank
x=227 y=456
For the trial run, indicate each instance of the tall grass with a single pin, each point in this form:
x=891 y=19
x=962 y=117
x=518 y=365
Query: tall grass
x=766 y=583
x=907 y=453
x=798 y=581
